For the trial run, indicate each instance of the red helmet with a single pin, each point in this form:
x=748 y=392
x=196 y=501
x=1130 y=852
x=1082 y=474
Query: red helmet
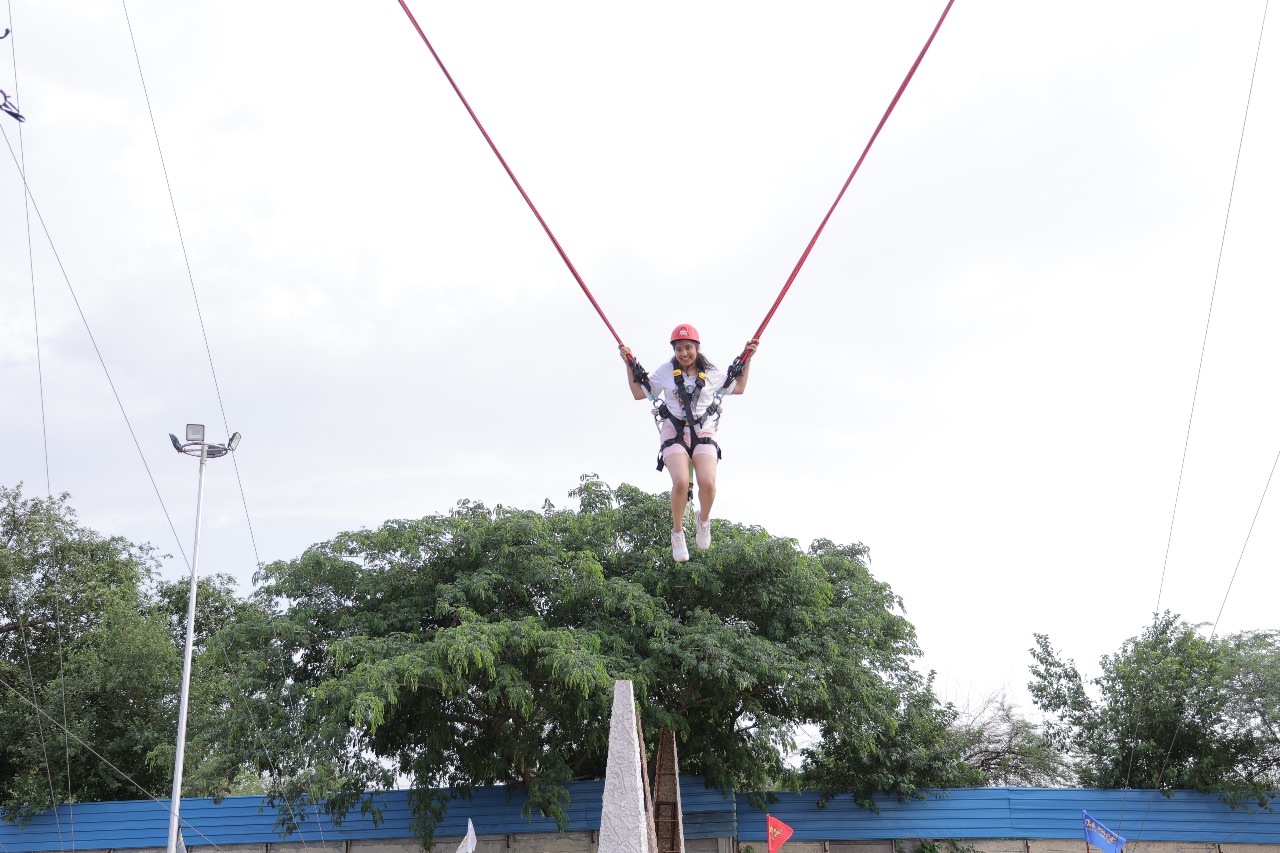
x=685 y=332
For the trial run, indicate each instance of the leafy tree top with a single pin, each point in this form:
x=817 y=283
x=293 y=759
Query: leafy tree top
x=480 y=647
x=1175 y=709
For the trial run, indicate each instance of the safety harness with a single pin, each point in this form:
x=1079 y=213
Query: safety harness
x=689 y=401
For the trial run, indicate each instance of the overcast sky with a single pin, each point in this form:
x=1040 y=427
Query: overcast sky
x=984 y=372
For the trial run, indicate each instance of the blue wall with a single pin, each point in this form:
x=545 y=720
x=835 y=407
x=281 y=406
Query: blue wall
x=1018 y=813
x=964 y=813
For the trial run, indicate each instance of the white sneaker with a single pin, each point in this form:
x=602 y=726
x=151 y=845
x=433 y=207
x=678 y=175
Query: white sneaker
x=679 y=550
x=703 y=537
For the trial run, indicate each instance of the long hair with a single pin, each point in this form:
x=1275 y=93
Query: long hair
x=701 y=362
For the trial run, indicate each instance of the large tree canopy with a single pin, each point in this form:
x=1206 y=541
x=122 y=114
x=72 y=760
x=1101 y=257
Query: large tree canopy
x=457 y=650
x=480 y=647
x=1174 y=710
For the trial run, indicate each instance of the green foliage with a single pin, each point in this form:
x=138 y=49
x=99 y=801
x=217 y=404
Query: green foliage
x=481 y=646
x=214 y=765
x=88 y=638
x=897 y=741
x=1252 y=661
x=453 y=651
x=1176 y=710
x=74 y=642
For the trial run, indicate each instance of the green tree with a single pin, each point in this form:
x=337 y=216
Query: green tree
x=899 y=743
x=75 y=644
x=90 y=656
x=1253 y=696
x=480 y=647
x=213 y=766
x=1167 y=714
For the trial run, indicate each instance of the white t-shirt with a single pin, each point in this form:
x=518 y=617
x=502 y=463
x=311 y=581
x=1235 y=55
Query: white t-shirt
x=664 y=384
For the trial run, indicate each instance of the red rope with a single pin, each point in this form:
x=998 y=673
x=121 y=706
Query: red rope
x=745 y=353
x=512 y=175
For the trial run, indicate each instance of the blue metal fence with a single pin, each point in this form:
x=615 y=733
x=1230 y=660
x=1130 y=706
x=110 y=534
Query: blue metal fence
x=1032 y=813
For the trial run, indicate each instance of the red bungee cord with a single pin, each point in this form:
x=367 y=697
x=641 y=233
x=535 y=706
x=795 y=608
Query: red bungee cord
x=568 y=263
x=746 y=354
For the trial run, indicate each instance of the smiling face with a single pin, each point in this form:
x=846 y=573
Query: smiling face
x=686 y=354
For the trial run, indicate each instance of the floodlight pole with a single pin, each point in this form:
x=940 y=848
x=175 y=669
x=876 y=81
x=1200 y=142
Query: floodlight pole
x=175 y=800
x=189 y=448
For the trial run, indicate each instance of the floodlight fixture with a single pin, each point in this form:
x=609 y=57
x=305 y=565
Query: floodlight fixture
x=195 y=445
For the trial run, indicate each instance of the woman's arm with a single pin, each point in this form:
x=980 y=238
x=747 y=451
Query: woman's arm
x=741 y=384
x=637 y=390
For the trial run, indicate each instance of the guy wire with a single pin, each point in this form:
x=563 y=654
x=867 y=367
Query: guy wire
x=1195 y=392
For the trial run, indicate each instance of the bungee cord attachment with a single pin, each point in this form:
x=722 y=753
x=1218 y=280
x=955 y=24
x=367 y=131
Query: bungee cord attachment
x=7 y=106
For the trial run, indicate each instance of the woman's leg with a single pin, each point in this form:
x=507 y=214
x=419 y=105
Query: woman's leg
x=678 y=465
x=705 y=466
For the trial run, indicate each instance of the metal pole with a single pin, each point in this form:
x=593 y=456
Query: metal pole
x=175 y=800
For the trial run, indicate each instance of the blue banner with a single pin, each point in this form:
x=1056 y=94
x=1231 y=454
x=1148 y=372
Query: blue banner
x=1101 y=837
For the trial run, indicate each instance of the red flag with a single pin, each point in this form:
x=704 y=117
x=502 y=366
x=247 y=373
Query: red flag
x=779 y=832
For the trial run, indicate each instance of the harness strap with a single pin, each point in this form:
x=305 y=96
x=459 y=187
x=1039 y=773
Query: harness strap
x=694 y=441
x=689 y=400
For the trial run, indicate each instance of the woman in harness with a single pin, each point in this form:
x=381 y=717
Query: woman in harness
x=688 y=386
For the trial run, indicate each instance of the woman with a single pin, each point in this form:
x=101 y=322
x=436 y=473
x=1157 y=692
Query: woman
x=689 y=378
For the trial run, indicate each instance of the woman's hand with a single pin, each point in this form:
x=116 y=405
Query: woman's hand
x=749 y=351
x=630 y=360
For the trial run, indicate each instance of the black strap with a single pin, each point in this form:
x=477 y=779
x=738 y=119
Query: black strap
x=735 y=370
x=690 y=399
x=694 y=439
x=641 y=376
